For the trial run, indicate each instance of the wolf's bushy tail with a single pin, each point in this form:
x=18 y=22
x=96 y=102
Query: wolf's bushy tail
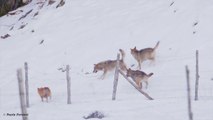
x=150 y=74
x=156 y=46
x=122 y=54
x=123 y=66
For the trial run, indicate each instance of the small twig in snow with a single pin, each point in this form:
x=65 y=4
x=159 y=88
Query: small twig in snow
x=25 y=15
x=172 y=3
x=22 y=26
x=42 y=41
x=196 y=23
x=35 y=14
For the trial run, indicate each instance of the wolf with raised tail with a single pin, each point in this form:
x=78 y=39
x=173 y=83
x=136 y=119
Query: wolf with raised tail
x=139 y=77
x=144 y=54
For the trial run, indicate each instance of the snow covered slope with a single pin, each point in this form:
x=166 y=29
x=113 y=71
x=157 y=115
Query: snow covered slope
x=84 y=32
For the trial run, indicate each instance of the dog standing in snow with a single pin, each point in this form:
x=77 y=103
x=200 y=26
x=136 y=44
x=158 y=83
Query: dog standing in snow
x=139 y=77
x=44 y=92
x=144 y=54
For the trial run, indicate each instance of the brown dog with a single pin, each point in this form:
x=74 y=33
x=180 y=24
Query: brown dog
x=144 y=54
x=139 y=77
x=44 y=92
x=109 y=65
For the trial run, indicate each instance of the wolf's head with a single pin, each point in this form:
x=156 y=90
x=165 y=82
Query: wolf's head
x=40 y=90
x=97 y=67
x=129 y=73
x=134 y=50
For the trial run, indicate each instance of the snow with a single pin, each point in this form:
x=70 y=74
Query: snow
x=84 y=32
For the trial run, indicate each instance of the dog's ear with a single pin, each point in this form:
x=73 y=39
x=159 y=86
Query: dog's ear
x=135 y=48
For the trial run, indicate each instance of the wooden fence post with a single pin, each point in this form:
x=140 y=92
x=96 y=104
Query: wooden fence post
x=68 y=84
x=22 y=95
x=189 y=94
x=197 y=76
x=26 y=84
x=141 y=91
x=115 y=83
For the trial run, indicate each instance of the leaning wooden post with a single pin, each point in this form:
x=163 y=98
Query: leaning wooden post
x=141 y=91
x=197 y=76
x=115 y=83
x=26 y=84
x=68 y=85
x=22 y=95
x=189 y=94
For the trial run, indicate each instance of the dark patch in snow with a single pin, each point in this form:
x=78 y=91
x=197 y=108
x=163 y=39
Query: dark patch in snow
x=35 y=14
x=22 y=26
x=95 y=114
x=11 y=28
x=5 y=36
x=196 y=23
x=42 y=41
x=171 y=3
x=62 y=2
x=132 y=65
x=62 y=69
x=87 y=73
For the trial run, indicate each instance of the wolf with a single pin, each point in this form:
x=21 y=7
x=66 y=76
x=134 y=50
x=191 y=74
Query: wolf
x=110 y=65
x=139 y=77
x=44 y=92
x=144 y=54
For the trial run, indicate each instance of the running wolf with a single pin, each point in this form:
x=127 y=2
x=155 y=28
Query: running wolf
x=144 y=54
x=110 y=65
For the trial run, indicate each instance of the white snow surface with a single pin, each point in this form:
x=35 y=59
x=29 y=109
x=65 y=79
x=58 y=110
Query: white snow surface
x=84 y=32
